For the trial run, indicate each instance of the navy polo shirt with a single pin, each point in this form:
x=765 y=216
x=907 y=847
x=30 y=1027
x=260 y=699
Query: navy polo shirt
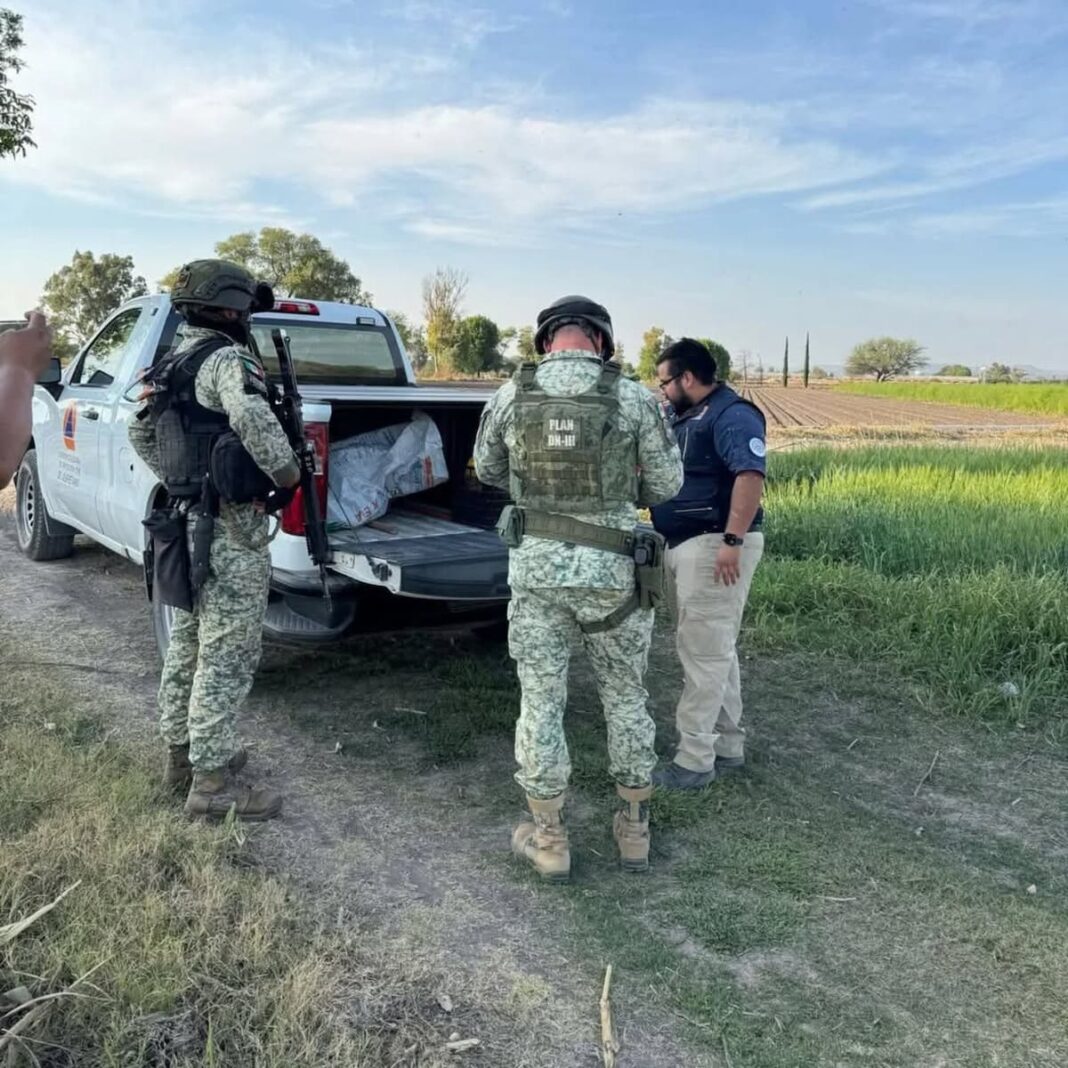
x=719 y=438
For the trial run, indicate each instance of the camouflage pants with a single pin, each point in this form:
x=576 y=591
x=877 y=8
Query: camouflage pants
x=542 y=625
x=214 y=649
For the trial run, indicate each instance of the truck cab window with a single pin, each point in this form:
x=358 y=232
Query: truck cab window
x=335 y=353
x=101 y=360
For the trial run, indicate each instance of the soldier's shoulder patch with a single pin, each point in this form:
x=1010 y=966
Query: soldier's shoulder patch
x=253 y=374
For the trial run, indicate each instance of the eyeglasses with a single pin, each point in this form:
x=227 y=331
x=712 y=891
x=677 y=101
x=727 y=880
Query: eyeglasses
x=664 y=383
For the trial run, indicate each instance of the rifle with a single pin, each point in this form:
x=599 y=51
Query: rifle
x=288 y=407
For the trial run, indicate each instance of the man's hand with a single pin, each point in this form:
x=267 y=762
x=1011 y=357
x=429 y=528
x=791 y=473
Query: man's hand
x=24 y=356
x=728 y=564
x=29 y=348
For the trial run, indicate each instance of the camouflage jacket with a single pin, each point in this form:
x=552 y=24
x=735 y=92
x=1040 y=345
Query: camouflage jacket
x=540 y=562
x=231 y=380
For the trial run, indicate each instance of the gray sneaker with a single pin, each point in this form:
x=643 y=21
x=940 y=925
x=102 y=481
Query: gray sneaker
x=729 y=763
x=676 y=777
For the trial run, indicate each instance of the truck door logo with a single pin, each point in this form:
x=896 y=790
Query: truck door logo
x=70 y=421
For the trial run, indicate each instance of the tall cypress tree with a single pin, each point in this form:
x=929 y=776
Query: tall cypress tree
x=806 y=361
x=786 y=364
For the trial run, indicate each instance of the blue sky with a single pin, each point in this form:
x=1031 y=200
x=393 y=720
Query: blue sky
x=739 y=171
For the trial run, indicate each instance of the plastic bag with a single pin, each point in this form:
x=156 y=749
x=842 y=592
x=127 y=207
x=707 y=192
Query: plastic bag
x=368 y=470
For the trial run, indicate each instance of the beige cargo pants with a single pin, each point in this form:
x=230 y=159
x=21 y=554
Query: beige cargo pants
x=708 y=618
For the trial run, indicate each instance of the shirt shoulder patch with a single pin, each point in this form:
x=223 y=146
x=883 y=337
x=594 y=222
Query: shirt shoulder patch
x=757 y=447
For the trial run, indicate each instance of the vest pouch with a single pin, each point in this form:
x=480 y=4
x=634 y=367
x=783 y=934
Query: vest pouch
x=649 y=566
x=235 y=475
x=510 y=526
x=170 y=574
x=183 y=457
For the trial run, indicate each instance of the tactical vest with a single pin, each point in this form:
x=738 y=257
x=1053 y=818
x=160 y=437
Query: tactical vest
x=571 y=454
x=703 y=504
x=186 y=431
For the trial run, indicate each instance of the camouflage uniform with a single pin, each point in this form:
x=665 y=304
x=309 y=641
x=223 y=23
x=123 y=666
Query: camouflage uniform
x=214 y=649
x=557 y=585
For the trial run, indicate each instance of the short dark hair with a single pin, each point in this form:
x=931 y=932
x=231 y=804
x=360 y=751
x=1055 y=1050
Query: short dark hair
x=687 y=354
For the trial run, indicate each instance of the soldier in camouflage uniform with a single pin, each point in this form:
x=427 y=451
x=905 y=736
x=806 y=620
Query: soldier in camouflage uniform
x=214 y=649
x=578 y=447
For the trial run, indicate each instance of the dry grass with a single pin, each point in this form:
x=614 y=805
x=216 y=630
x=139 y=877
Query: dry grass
x=193 y=956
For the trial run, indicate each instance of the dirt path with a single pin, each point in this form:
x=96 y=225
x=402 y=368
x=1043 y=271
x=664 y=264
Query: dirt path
x=375 y=834
x=835 y=908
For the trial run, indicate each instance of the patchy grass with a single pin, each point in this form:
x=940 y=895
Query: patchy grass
x=192 y=957
x=814 y=911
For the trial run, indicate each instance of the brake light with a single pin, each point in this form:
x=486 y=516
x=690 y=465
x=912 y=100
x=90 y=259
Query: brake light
x=296 y=307
x=293 y=513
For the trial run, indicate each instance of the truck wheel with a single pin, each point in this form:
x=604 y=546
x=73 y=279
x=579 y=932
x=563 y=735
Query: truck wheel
x=162 y=623
x=32 y=521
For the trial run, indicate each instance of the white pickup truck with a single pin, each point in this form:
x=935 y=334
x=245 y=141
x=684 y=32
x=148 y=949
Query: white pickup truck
x=80 y=474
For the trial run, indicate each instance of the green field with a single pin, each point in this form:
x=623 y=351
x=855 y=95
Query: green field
x=1043 y=398
x=949 y=564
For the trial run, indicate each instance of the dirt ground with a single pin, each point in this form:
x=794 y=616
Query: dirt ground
x=836 y=903
x=375 y=833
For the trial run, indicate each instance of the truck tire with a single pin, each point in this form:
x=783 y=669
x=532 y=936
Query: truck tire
x=32 y=521
x=162 y=622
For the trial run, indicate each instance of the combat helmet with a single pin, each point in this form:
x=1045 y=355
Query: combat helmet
x=214 y=284
x=574 y=309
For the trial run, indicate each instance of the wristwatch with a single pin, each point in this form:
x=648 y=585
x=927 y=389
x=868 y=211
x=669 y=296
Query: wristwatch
x=733 y=540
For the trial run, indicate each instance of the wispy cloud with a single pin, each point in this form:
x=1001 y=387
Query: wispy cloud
x=955 y=170
x=139 y=111
x=143 y=121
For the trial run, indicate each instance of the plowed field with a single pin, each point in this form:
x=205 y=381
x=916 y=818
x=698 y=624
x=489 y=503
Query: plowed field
x=826 y=407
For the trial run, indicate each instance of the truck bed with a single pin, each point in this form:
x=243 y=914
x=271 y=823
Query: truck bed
x=421 y=553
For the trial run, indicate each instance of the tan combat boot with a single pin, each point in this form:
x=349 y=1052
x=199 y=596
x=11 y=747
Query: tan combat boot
x=178 y=774
x=214 y=793
x=631 y=828
x=544 y=841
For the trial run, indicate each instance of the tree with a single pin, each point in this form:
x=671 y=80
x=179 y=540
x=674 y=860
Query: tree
x=166 y=283
x=1002 y=372
x=819 y=373
x=885 y=357
x=412 y=337
x=81 y=295
x=296 y=265
x=745 y=358
x=654 y=341
x=524 y=343
x=475 y=346
x=443 y=298
x=805 y=373
x=786 y=364
x=955 y=370
x=16 y=109
x=720 y=355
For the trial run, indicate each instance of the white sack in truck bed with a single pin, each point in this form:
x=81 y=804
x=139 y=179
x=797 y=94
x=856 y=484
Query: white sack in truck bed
x=366 y=471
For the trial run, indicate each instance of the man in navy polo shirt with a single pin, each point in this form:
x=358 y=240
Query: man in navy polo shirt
x=714 y=545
